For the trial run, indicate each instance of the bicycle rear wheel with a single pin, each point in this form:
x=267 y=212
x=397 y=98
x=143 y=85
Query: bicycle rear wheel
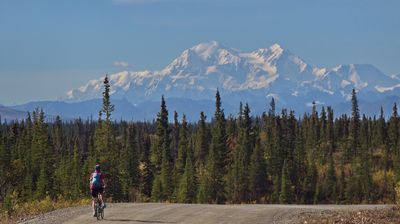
x=98 y=210
x=102 y=213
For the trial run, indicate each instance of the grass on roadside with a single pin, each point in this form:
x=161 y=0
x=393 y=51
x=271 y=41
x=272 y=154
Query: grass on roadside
x=18 y=211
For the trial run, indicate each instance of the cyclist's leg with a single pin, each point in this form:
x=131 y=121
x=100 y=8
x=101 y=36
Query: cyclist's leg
x=101 y=192
x=101 y=197
x=94 y=196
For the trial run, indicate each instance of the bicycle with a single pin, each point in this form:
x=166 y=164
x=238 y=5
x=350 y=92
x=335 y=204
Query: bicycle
x=98 y=208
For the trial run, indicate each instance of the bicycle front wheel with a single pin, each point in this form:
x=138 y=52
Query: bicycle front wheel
x=98 y=211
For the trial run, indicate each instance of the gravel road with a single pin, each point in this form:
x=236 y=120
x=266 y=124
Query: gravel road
x=191 y=213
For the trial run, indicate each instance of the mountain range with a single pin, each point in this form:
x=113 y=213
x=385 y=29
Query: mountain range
x=189 y=84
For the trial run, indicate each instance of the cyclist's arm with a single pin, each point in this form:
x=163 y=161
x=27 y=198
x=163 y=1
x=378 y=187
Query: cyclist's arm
x=90 y=180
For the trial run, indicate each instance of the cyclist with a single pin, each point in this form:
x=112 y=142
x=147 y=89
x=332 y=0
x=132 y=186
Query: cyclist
x=97 y=185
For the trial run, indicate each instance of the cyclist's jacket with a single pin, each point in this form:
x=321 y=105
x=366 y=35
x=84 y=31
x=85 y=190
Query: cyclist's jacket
x=96 y=180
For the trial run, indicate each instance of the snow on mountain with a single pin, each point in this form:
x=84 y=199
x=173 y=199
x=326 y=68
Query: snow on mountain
x=389 y=88
x=244 y=76
x=395 y=76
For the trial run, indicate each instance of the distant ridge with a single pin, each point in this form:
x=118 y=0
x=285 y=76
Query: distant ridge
x=9 y=114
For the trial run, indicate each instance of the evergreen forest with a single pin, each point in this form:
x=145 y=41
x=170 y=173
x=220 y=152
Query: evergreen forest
x=277 y=157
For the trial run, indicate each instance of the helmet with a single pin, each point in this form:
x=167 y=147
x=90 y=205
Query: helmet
x=97 y=167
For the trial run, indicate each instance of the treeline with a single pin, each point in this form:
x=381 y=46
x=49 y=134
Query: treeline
x=273 y=158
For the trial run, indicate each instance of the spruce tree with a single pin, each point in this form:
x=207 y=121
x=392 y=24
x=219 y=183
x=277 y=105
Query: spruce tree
x=58 y=138
x=330 y=183
x=354 y=125
x=41 y=156
x=276 y=188
x=76 y=172
x=124 y=165
x=162 y=140
x=312 y=139
x=216 y=165
x=182 y=151
x=175 y=137
x=5 y=160
x=202 y=195
x=286 y=195
x=133 y=156
x=187 y=183
x=39 y=141
x=365 y=156
x=203 y=140
x=107 y=108
x=161 y=154
x=156 y=192
x=42 y=184
x=272 y=109
x=394 y=140
x=341 y=185
x=299 y=162
x=165 y=177
x=105 y=152
x=380 y=130
x=237 y=186
x=353 y=192
x=330 y=135
x=104 y=136
x=276 y=157
x=145 y=167
x=257 y=173
x=247 y=135
x=310 y=182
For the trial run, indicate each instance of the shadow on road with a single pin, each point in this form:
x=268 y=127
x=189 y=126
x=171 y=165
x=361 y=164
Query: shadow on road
x=135 y=220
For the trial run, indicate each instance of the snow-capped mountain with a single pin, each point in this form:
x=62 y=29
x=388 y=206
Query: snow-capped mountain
x=190 y=81
x=200 y=70
x=245 y=76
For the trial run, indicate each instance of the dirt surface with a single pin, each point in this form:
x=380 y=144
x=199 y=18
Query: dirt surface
x=387 y=215
x=196 y=213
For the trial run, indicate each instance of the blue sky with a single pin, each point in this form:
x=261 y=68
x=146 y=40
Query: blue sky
x=48 y=47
